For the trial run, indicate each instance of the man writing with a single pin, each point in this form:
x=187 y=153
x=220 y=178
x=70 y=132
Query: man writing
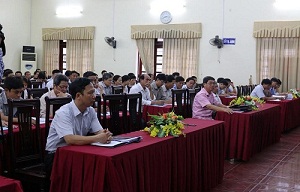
x=205 y=102
x=73 y=121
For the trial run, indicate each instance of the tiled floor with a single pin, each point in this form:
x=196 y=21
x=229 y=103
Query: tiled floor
x=277 y=168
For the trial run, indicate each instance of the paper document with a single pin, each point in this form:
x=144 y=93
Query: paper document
x=119 y=140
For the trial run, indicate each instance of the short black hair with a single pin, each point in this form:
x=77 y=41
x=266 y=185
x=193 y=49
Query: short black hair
x=56 y=71
x=220 y=79
x=224 y=82
x=190 y=78
x=25 y=80
x=116 y=77
x=7 y=72
x=132 y=77
x=161 y=76
x=170 y=78
x=18 y=72
x=266 y=81
x=207 y=78
x=125 y=78
x=176 y=74
x=106 y=76
x=68 y=73
x=42 y=75
x=59 y=78
x=131 y=74
x=89 y=73
x=142 y=76
x=103 y=71
x=179 y=78
x=75 y=72
x=13 y=82
x=78 y=86
x=279 y=81
x=227 y=79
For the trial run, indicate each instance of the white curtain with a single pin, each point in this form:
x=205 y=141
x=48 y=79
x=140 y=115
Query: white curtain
x=279 y=57
x=181 y=55
x=146 y=50
x=51 y=55
x=80 y=55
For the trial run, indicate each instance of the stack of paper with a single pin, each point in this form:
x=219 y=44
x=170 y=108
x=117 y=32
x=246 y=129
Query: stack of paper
x=118 y=140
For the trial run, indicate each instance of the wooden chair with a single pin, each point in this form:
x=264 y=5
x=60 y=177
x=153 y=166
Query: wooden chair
x=37 y=92
x=98 y=105
x=117 y=89
x=36 y=84
x=179 y=96
x=26 y=158
x=135 y=112
x=55 y=104
x=191 y=93
x=117 y=118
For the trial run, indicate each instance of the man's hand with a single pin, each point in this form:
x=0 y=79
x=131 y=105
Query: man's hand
x=227 y=110
x=105 y=136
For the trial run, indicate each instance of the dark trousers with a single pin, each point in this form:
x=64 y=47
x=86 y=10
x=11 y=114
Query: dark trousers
x=49 y=157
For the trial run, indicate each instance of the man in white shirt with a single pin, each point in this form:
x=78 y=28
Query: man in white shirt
x=261 y=90
x=73 y=121
x=59 y=90
x=49 y=84
x=167 y=88
x=143 y=88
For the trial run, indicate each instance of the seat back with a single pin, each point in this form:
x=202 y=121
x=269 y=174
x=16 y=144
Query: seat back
x=135 y=112
x=191 y=93
x=179 y=96
x=36 y=84
x=37 y=92
x=239 y=91
x=117 y=111
x=98 y=105
x=56 y=103
x=117 y=89
x=25 y=145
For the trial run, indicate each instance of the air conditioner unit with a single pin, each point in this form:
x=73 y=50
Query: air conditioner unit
x=28 y=62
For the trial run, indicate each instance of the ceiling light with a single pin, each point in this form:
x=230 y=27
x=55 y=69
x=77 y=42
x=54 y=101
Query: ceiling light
x=69 y=11
x=287 y=4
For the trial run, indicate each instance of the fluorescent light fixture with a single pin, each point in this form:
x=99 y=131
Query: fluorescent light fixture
x=69 y=11
x=176 y=7
x=287 y=4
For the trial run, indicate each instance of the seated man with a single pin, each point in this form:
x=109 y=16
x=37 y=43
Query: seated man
x=74 y=121
x=49 y=84
x=231 y=90
x=106 y=83
x=13 y=88
x=222 y=89
x=93 y=77
x=189 y=83
x=205 y=102
x=167 y=88
x=275 y=84
x=156 y=87
x=125 y=83
x=143 y=87
x=262 y=91
x=179 y=81
x=60 y=87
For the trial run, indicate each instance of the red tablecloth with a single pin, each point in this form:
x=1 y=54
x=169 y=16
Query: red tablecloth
x=226 y=100
x=10 y=185
x=191 y=163
x=155 y=110
x=289 y=114
x=248 y=133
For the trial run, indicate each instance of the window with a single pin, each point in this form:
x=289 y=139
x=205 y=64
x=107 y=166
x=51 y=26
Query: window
x=63 y=55
x=158 y=59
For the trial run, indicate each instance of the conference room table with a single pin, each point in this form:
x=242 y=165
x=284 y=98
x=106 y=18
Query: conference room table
x=10 y=185
x=249 y=133
x=155 y=110
x=194 y=162
x=289 y=113
x=226 y=99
